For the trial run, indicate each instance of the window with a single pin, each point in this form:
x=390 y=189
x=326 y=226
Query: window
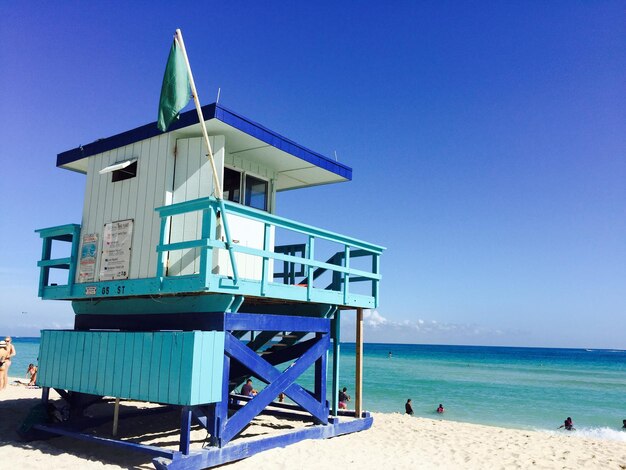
x=125 y=173
x=256 y=193
x=255 y=190
x=121 y=171
x=232 y=185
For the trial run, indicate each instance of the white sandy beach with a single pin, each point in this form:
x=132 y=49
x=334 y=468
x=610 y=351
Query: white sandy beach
x=395 y=442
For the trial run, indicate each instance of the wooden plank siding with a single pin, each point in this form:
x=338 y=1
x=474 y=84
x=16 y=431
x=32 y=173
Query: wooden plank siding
x=134 y=198
x=180 y=368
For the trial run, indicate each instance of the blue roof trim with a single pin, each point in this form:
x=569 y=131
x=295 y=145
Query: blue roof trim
x=276 y=140
x=189 y=118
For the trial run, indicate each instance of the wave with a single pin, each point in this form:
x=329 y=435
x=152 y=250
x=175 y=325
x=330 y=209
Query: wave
x=603 y=433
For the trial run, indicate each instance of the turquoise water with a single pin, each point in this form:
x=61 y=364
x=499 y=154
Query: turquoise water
x=526 y=388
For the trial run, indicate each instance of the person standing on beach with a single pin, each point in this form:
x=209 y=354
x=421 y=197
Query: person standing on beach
x=408 y=407
x=12 y=352
x=4 y=364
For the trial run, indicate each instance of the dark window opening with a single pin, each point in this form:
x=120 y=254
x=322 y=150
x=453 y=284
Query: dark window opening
x=125 y=173
x=232 y=185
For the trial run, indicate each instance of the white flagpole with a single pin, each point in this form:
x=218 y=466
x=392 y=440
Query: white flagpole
x=218 y=188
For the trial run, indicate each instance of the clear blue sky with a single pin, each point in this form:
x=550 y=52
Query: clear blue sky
x=487 y=141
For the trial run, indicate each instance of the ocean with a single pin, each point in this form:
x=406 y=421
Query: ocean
x=522 y=388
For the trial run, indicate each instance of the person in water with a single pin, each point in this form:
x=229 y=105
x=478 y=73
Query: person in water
x=568 y=425
x=440 y=409
x=624 y=426
x=344 y=398
x=408 y=407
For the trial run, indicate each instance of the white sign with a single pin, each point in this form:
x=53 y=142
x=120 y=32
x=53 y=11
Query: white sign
x=90 y=290
x=87 y=263
x=116 y=246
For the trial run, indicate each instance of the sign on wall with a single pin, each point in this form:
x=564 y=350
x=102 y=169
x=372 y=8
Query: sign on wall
x=116 y=246
x=88 y=252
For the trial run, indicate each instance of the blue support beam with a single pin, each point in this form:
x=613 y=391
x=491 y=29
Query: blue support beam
x=320 y=378
x=237 y=451
x=219 y=416
x=185 y=429
x=250 y=321
x=278 y=382
x=153 y=450
x=336 y=351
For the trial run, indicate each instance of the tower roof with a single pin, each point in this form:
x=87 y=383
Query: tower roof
x=295 y=165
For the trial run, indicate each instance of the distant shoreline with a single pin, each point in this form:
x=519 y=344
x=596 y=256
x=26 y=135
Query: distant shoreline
x=376 y=343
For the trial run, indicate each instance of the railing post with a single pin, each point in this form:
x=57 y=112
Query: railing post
x=206 y=253
x=292 y=268
x=71 y=276
x=44 y=274
x=375 y=282
x=265 y=264
x=229 y=241
x=346 y=275
x=310 y=255
x=161 y=254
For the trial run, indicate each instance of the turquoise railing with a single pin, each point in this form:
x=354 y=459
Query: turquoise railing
x=69 y=233
x=300 y=280
x=339 y=265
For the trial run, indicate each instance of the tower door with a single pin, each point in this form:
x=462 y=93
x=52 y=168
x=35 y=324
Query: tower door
x=193 y=179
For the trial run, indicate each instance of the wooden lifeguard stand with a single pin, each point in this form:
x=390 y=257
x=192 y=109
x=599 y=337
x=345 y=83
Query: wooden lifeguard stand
x=179 y=297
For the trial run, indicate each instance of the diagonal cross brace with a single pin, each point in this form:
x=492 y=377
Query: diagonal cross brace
x=277 y=382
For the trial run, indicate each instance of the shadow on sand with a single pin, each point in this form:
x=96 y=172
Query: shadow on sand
x=161 y=428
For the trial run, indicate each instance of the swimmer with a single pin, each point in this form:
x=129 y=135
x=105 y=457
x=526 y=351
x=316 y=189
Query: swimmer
x=440 y=409
x=568 y=425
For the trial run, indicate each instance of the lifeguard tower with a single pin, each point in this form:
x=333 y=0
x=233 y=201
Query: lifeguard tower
x=180 y=297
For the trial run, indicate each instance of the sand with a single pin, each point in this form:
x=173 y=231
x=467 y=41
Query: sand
x=395 y=442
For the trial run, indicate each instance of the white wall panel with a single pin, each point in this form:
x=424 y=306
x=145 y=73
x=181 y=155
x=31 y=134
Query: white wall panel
x=146 y=213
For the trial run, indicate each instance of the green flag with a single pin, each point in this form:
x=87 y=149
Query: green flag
x=175 y=91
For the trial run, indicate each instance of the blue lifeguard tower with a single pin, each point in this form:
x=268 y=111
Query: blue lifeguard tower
x=180 y=297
